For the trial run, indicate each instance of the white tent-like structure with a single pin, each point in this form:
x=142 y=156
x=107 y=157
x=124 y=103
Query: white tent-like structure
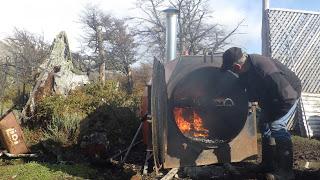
x=293 y=37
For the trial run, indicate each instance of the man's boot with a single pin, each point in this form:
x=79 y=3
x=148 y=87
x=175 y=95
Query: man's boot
x=268 y=163
x=285 y=161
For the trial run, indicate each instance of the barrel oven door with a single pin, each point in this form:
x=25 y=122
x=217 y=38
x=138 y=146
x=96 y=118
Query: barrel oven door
x=159 y=109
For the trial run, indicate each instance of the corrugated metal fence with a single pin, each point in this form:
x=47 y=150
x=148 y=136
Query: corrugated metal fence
x=293 y=37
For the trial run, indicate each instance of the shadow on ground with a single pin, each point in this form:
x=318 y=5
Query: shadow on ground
x=102 y=134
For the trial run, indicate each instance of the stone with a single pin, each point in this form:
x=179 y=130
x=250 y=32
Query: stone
x=60 y=66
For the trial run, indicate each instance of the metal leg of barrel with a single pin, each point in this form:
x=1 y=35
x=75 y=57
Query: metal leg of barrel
x=132 y=142
x=146 y=162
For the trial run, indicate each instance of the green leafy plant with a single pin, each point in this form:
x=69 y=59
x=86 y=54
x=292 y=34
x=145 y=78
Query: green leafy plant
x=64 y=131
x=60 y=116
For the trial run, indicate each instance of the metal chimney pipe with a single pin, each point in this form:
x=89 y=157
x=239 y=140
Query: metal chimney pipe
x=265 y=5
x=171 y=33
x=265 y=44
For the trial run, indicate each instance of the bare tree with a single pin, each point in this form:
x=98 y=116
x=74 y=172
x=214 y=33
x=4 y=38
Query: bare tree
x=3 y=80
x=27 y=51
x=196 y=31
x=150 y=28
x=142 y=75
x=93 y=19
x=108 y=36
x=122 y=51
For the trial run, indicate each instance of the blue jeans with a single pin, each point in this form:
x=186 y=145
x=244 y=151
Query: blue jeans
x=278 y=128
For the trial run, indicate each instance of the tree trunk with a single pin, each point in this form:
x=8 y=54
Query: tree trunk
x=129 y=83
x=3 y=82
x=102 y=68
x=23 y=98
x=102 y=72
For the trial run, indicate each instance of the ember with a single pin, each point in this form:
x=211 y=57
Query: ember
x=198 y=126
x=190 y=123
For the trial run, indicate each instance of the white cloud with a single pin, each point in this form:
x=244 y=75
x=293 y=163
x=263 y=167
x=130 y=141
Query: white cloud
x=230 y=13
x=49 y=17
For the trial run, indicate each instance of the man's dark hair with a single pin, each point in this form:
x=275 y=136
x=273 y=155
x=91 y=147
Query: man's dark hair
x=229 y=57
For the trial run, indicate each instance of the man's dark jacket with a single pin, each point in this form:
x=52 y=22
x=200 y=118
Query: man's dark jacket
x=275 y=87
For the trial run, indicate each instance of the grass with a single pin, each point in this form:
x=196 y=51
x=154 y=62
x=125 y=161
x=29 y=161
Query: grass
x=299 y=139
x=5 y=106
x=43 y=171
x=18 y=169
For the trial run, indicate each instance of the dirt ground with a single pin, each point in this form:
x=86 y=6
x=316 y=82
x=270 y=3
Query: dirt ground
x=306 y=165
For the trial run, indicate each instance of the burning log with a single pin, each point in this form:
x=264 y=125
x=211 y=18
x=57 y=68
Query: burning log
x=191 y=125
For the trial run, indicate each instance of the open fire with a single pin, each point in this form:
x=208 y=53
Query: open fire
x=199 y=114
x=190 y=123
x=208 y=107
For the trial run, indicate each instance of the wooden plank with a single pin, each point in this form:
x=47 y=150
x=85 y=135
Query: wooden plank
x=170 y=174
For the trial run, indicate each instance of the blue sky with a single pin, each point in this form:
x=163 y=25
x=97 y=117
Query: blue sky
x=310 y=5
x=49 y=17
x=232 y=11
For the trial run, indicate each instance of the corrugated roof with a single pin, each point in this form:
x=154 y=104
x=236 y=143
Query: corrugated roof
x=295 y=41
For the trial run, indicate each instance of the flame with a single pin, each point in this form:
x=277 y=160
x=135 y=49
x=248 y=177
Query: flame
x=192 y=125
x=183 y=125
x=198 y=126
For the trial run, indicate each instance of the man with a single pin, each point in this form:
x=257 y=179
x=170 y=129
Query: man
x=277 y=90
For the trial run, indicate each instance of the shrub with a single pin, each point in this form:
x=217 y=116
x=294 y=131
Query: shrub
x=60 y=117
x=64 y=131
